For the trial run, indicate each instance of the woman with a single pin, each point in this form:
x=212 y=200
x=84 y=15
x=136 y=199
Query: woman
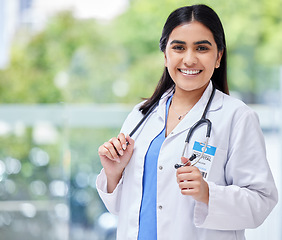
x=230 y=188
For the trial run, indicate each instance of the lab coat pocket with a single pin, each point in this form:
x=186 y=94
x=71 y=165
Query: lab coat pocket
x=217 y=170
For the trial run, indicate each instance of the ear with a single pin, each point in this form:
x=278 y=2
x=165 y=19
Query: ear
x=165 y=60
x=219 y=56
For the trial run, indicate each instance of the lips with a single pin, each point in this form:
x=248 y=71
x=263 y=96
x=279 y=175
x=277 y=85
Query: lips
x=190 y=72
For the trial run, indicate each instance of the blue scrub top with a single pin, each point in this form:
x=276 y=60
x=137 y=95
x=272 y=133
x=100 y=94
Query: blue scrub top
x=148 y=214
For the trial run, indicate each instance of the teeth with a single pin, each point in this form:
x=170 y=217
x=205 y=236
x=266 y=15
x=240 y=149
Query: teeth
x=190 y=72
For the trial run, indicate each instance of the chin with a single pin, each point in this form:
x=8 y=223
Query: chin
x=191 y=88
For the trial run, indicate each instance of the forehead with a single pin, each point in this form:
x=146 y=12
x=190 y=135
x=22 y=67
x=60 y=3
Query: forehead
x=191 y=32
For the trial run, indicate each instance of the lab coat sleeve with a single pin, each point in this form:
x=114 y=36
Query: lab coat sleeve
x=111 y=200
x=250 y=193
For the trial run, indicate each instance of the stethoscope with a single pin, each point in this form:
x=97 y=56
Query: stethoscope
x=193 y=159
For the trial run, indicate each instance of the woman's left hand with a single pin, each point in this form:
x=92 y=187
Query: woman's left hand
x=191 y=182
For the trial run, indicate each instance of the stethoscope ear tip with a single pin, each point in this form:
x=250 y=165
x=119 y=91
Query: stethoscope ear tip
x=176 y=166
x=192 y=157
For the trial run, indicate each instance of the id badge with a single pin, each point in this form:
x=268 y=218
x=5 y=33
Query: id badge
x=204 y=164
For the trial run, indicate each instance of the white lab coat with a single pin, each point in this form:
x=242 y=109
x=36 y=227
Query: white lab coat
x=242 y=192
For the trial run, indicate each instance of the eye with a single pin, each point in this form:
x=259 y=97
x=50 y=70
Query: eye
x=202 y=48
x=178 y=47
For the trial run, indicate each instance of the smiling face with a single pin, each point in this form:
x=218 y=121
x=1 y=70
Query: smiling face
x=191 y=56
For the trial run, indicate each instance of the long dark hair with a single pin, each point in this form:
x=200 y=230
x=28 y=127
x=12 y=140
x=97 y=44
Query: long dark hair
x=210 y=19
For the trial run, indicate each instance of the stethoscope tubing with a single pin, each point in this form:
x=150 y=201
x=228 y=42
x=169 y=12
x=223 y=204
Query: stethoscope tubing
x=144 y=118
x=194 y=159
x=202 y=121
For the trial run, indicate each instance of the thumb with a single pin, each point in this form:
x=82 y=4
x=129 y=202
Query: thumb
x=184 y=160
x=129 y=140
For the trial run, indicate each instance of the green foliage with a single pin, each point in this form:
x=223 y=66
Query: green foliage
x=119 y=61
x=34 y=65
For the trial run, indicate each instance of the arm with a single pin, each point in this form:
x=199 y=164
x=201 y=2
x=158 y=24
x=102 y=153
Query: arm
x=250 y=194
x=109 y=181
x=114 y=155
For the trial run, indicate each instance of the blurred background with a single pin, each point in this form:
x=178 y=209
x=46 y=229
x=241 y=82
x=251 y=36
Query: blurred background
x=71 y=70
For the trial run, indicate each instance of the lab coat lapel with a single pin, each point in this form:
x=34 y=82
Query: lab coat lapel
x=197 y=111
x=155 y=122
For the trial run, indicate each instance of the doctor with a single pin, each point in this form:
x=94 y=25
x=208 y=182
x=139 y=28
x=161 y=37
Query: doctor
x=230 y=189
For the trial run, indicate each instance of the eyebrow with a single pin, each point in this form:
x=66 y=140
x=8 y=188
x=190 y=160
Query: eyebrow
x=177 y=42
x=195 y=43
x=203 y=42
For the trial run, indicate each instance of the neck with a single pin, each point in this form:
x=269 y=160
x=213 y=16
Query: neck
x=183 y=99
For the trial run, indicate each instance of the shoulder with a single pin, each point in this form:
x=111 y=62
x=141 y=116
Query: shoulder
x=132 y=119
x=238 y=110
x=136 y=115
x=234 y=104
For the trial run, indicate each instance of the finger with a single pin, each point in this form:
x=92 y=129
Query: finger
x=104 y=152
x=129 y=140
x=184 y=185
x=184 y=160
x=181 y=177
x=110 y=151
x=113 y=142
x=122 y=140
x=185 y=169
x=184 y=177
x=117 y=146
x=189 y=185
x=191 y=191
x=189 y=173
x=186 y=188
x=188 y=191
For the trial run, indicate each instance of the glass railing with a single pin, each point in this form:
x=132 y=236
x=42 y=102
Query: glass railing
x=49 y=164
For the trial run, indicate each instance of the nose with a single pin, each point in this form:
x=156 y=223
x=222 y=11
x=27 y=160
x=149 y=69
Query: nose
x=190 y=58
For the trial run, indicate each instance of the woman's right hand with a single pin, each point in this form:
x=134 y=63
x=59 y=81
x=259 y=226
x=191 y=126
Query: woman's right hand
x=115 y=155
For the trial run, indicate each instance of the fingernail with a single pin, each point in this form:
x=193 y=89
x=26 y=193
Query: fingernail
x=117 y=160
x=124 y=147
x=120 y=152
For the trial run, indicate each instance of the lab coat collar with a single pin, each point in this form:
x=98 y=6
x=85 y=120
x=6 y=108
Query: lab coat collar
x=196 y=112
x=161 y=110
x=216 y=102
